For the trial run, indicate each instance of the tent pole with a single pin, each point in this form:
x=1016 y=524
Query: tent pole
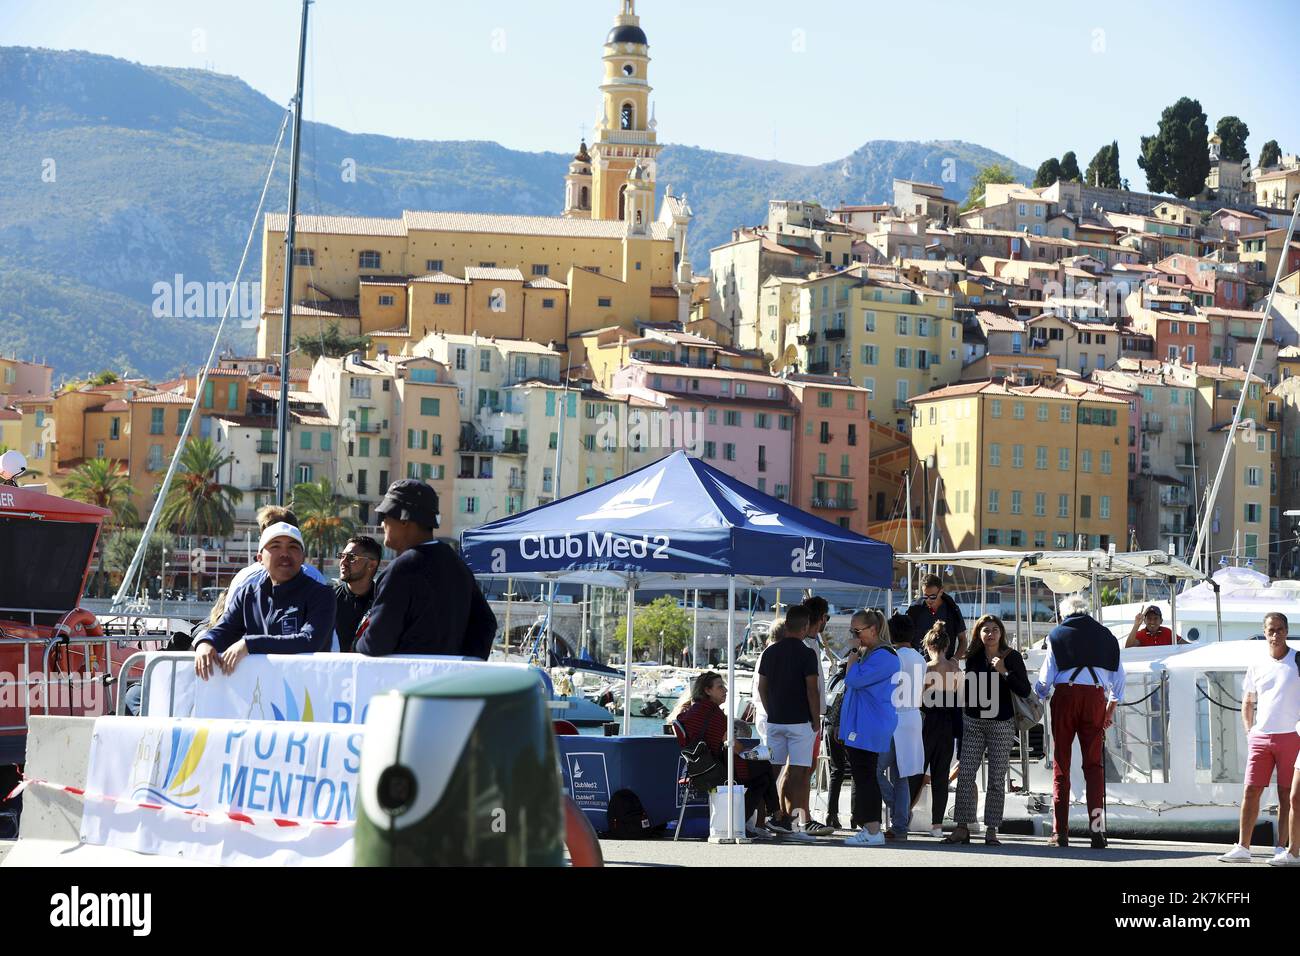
x=510 y=593
x=550 y=627
x=695 y=632
x=731 y=705
x=627 y=661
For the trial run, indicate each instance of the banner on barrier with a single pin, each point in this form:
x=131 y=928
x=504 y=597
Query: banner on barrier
x=312 y=688
x=223 y=791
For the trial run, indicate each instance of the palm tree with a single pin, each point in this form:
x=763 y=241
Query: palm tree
x=106 y=483
x=197 y=502
x=325 y=518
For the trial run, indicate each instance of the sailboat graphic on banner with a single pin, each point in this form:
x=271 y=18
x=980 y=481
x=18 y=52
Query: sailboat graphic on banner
x=631 y=502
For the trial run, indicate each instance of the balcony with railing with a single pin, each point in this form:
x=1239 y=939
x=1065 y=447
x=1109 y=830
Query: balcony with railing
x=808 y=338
x=834 y=334
x=266 y=447
x=515 y=482
x=835 y=504
x=369 y=428
x=818 y=368
x=1175 y=497
x=1176 y=530
x=1152 y=426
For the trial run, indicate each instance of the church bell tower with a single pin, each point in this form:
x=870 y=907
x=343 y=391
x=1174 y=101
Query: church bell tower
x=625 y=131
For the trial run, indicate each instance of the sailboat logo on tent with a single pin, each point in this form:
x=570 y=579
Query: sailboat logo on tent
x=808 y=559
x=631 y=502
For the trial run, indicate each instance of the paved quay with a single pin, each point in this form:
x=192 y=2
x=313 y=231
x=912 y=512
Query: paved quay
x=919 y=851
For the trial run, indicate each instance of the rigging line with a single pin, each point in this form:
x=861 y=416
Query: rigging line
x=1215 y=702
x=124 y=590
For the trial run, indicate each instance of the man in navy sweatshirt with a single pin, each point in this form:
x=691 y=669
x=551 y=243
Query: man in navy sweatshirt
x=426 y=600
x=284 y=612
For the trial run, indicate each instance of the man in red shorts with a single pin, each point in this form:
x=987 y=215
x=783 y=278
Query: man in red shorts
x=1149 y=631
x=1270 y=709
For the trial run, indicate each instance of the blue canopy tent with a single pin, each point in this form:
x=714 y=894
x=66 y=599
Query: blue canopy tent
x=677 y=523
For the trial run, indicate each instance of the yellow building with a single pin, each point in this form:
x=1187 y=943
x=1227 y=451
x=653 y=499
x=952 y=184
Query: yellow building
x=1024 y=467
x=543 y=278
x=893 y=337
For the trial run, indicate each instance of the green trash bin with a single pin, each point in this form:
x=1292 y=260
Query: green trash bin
x=461 y=770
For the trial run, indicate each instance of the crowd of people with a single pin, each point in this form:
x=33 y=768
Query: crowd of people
x=425 y=601
x=912 y=693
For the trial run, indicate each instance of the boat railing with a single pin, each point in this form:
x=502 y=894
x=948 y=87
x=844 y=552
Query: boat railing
x=29 y=676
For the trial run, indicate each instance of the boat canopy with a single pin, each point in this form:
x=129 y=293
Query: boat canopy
x=1065 y=571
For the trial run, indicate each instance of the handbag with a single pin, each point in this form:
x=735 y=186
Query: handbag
x=703 y=770
x=1027 y=712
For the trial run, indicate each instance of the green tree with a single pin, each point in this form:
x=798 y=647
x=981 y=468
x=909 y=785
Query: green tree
x=326 y=519
x=1048 y=172
x=1103 y=170
x=331 y=343
x=1271 y=154
x=1175 y=158
x=198 y=502
x=660 y=615
x=121 y=548
x=106 y=377
x=1070 y=168
x=1232 y=133
x=105 y=483
x=987 y=176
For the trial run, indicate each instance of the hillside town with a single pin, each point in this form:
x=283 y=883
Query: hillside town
x=1040 y=366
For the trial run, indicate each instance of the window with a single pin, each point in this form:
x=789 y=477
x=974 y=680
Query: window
x=431 y=406
x=710 y=449
x=99 y=449
x=1063 y=459
x=114 y=430
x=386 y=300
x=729 y=451
x=1015 y=503
x=155 y=421
x=485 y=361
x=869 y=321
x=1085 y=506
x=540 y=269
x=1062 y=509
x=902 y=358
x=462 y=359
x=182 y=416
x=365 y=448
x=326 y=441
x=785 y=423
x=1017 y=456
x=1085 y=461
x=902 y=325
x=761 y=420
x=442 y=298
x=1040 y=504
x=432 y=265
x=1254 y=477
x=1018 y=411
x=1104 y=507
x=604 y=302
x=1105 y=463
x=870 y=355
x=990 y=536
x=304 y=474
x=732 y=419
x=304 y=257
x=1065 y=414
x=824 y=400
x=155 y=457
x=1252 y=512
x=304 y=441
x=995 y=498
x=1040 y=458
x=1042 y=411
x=995 y=408
x=713 y=416
x=995 y=455
x=368 y=260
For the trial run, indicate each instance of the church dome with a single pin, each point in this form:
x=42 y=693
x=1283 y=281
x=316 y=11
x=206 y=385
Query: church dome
x=627 y=33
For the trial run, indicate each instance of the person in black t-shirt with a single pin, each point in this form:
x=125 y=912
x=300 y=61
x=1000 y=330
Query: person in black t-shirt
x=937 y=606
x=788 y=689
x=355 y=590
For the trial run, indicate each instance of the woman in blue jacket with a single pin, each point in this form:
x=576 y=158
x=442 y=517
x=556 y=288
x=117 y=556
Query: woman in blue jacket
x=868 y=719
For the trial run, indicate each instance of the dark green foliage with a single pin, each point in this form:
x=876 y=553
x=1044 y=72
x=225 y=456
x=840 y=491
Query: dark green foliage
x=1175 y=158
x=1048 y=172
x=1271 y=154
x=331 y=342
x=995 y=173
x=1232 y=133
x=1070 y=168
x=1103 y=170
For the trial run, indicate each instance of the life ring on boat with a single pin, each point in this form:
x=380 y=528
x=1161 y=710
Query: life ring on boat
x=580 y=836
x=77 y=623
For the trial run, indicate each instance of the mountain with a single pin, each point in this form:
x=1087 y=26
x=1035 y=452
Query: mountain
x=116 y=176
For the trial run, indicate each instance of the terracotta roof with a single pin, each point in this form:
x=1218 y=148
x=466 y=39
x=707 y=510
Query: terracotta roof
x=1232 y=313
x=546 y=282
x=487 y=274
x=663 y=292
x=336 y=309
x=337 y=225
x=400 y=332
x=250 y=421
x=7 y=415
x=441 y=277
x=117 y=405
x=304 y=418
x=993 y=322
x=163 y=398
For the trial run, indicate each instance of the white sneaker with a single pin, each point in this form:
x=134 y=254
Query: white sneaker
x=802 y=835
x=1279 y=850
x=936 y=832
x=1238 y=854
x=1284 y=859
x=865 y=838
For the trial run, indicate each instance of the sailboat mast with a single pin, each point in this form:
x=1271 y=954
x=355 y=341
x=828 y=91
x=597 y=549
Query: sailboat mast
x=291 y=228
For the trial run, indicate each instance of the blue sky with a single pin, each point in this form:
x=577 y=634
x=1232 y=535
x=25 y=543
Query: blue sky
x=804 y=83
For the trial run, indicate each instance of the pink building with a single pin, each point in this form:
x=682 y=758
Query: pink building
x=742 y=423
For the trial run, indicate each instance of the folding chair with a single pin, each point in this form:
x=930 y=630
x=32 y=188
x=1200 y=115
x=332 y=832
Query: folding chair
x=684 y=781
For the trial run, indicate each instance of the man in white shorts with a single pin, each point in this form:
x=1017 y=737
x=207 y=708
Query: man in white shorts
x=788 y=691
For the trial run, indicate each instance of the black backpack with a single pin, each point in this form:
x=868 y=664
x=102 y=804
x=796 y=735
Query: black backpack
x=626 y=817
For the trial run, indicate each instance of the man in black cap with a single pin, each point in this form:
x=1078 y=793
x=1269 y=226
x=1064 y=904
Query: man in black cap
x=426 y=600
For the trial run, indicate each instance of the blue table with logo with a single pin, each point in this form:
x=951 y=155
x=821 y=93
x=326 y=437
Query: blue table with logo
x=595 y=767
